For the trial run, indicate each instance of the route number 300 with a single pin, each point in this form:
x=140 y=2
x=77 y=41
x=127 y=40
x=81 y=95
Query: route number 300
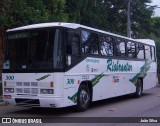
x=9 y=78
x=70 y=81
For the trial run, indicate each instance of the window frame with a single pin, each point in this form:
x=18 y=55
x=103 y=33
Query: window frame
x=154 y=50
x=77 y=31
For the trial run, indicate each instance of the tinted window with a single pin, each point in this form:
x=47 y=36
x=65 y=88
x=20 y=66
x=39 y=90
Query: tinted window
x=17 y=50
x=89 y=42
x=73 y=43
x=34 y=49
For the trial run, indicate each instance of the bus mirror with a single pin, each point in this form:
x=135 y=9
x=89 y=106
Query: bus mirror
x=68 y=60
x=6 y=65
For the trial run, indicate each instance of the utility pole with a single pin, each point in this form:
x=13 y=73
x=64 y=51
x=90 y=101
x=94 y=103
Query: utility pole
x=129 y=19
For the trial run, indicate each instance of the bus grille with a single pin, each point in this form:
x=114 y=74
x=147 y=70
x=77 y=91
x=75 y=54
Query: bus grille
x=26 y=88
x=27 y=102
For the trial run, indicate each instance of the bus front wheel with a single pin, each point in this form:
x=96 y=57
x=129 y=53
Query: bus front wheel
x=83 y=98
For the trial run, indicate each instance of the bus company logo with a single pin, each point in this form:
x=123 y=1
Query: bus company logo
x=6 y=120
x=114 y=67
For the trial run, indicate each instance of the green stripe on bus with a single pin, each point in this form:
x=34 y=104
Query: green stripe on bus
x=94 y=82
x=142 y=73
x=42 y=78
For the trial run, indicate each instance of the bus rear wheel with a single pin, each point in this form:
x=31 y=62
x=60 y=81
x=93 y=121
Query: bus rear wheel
x=139 y=89
x=83 y=98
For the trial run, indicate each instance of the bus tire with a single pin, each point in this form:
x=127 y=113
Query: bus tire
x=139 y=89
x=83 y=98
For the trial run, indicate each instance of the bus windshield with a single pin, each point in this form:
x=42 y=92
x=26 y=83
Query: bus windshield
x=34 y=49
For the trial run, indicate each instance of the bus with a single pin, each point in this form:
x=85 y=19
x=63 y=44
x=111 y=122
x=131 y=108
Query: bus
x=60 y=64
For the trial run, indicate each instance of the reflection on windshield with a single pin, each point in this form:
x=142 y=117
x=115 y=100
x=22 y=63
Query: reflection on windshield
x=34 y=50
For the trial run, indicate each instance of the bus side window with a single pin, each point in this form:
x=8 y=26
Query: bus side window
x=153 y=53
x=106 y=45
x=131 y=49
x=73 y=43
x=120 y=48
x=140 y=51
x=147 y=52
x=89 y=42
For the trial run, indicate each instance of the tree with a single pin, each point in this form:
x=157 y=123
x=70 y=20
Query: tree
x=117 y=16
x=87 y=12
x=155 y=35
x=141 y=15
x=56 y=9
x=16 y=13
x=155 y=26
x=22 y=12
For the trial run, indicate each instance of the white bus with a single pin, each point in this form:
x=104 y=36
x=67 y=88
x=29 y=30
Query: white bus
x=64 y=64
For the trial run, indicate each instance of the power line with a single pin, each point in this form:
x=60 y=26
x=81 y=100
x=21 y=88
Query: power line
x=154 y=6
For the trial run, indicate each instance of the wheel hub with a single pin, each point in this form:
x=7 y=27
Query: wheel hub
x=84 y=97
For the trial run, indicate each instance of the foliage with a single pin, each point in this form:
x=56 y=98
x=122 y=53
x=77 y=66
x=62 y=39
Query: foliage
x=117 y=16
x=56 y=9
x=141 y=15
x=109 y=15
x=87 y=12
x=155 y=35
x=16 y=13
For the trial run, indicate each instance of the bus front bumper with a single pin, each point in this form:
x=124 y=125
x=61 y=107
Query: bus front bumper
x=36 y=101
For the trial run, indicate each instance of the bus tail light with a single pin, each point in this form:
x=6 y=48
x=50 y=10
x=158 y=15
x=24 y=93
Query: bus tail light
x=7 y=96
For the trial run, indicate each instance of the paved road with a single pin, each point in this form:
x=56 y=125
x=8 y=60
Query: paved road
x=146 y=106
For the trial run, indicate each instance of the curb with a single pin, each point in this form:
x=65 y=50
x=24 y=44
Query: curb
x=158 y=85
x=3 y=104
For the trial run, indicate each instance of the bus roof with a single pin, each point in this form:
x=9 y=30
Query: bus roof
x=75 y=26
x=146 y=41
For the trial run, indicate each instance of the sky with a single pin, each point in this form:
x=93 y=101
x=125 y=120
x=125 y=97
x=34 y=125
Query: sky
x=157 y=10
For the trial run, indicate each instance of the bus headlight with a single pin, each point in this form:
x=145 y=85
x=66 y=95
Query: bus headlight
x=9 y=90
x=47 y=91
